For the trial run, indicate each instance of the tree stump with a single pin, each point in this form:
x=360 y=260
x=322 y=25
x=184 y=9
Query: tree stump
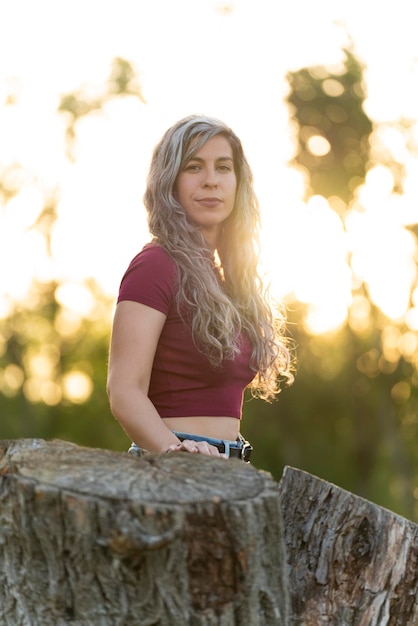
x=95 y=538
x=352 y=563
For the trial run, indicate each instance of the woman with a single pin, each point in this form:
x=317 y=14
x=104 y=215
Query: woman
x=192 y=329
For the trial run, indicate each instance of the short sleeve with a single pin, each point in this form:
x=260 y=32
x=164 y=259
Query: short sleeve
x=150 y=279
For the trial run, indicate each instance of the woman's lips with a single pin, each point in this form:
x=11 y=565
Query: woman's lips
x=209 y=201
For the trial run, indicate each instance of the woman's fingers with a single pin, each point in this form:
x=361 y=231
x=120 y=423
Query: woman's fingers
x=196 y=447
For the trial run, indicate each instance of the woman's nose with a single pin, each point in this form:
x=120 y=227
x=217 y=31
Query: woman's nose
x=211 y=178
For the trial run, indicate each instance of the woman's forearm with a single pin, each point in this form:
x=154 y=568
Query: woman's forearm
x=139 y=418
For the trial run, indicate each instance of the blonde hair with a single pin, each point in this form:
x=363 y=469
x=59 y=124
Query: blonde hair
x=232 y=298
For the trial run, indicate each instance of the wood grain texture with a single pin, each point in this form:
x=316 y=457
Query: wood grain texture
x=100 y=538
x=351 y=562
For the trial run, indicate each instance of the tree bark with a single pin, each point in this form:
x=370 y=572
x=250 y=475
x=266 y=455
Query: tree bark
x=351 y=562
x=100 y=538
x=93 y=537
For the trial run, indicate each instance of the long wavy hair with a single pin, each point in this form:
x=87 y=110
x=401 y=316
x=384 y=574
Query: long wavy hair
x=226 y=296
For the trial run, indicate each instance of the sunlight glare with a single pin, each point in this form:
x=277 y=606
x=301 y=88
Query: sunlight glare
x=383 y=256
x=307 y=257
x=377 y=188
x=39 y=390
x=318 y=145
x=50 y=392
x=41 y=366
x=11 y=379
x=359 y=316
x=330 y=315
x=408 y=344
x=332 y=87
x=16 y=277
x=69 y=325
x=77 y=386
x=75 y=297
x=322 y=255
x=104 y=199
x=22 y=211
x=410 y=189
x=411 y=318
x=386 y=138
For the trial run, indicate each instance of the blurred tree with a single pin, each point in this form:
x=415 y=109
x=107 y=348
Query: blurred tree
x=53 y=359
x=122 y=81
x=53 y=369
x=351 y=416
x=331 y=126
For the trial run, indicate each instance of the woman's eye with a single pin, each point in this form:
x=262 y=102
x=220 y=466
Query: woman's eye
x=192 y=165
x=197 y=167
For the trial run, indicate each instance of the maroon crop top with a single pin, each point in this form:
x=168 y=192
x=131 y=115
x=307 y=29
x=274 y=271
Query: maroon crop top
x=183 y=383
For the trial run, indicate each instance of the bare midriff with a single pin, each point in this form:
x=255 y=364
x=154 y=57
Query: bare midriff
x=205 y=426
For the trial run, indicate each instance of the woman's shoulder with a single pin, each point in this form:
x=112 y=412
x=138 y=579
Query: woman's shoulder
x=154 y=250
x=153 y=255
x=151 y=278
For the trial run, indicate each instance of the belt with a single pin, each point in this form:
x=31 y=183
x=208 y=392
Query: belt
x=240 y=450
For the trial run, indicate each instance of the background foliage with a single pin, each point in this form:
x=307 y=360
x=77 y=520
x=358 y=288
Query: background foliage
x=351 y=415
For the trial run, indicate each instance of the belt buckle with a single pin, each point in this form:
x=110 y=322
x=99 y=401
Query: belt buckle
x=246 y=451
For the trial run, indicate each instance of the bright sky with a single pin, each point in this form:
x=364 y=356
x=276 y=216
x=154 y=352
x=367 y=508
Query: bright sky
x=228 y=59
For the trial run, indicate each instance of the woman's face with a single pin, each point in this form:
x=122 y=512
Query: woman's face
x=206 y=187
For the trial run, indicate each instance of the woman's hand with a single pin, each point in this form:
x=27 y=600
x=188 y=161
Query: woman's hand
x=196 y=447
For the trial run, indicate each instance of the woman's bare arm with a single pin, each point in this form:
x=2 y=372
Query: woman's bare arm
x=135 y=335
